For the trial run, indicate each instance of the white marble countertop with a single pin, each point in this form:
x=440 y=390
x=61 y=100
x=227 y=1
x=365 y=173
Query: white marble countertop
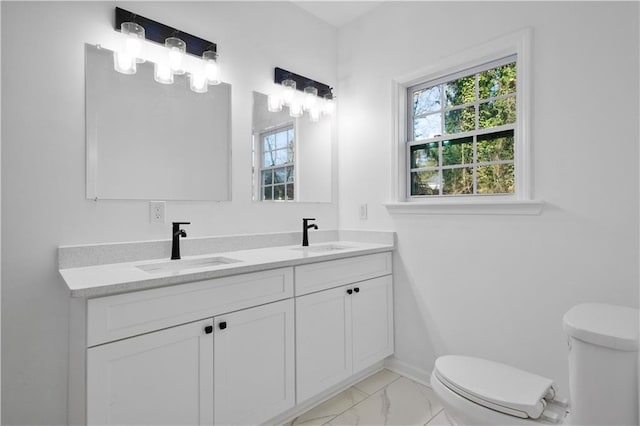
x=105 y=279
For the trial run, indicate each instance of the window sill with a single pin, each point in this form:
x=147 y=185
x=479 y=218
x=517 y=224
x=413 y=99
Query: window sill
x=467 y=207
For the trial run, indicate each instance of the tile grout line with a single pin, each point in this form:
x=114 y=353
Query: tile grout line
x=434 y=416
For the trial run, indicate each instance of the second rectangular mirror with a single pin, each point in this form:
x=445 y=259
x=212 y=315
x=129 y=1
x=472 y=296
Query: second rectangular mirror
x=292 y=157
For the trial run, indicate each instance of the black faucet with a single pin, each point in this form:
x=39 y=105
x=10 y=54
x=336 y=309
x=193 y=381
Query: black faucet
x=305 y=230
x=176 y=234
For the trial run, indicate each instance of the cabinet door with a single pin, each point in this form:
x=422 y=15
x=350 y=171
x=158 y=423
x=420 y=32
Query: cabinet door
x=160 y=378
x=323 y=341
x=254 y=364
x=372 y=321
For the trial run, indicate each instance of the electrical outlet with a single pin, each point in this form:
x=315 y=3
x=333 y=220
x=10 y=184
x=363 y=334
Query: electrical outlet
x=363 y=212
x=156 y=211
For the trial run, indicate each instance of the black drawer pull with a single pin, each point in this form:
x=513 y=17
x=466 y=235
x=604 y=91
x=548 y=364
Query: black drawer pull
x=208 y=329
x=222 y=325
x=349 y=291
x=357 y=289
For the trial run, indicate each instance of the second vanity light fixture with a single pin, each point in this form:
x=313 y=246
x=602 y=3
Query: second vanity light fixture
x=136 y=30
x=316 y=98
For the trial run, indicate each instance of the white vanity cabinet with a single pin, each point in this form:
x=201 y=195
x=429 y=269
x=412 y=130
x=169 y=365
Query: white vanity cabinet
x=344 y=329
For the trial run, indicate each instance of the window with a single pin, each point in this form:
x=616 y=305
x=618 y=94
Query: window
x=277 y=164
x=461 y=132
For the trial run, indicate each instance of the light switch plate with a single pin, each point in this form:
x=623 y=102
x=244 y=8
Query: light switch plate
x=363 y=212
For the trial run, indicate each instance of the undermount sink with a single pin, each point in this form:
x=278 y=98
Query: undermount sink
x=323 y=248
x=185 y=264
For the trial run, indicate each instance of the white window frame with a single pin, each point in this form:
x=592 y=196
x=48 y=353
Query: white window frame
x=520 y=202
x=261 y=168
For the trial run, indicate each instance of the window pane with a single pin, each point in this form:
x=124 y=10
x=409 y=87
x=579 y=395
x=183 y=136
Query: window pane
x=269 y=143
x=460 y=91
x=267 y=177
x=427 y=100
x=495 y=146
x=278 y=192
x=458 y=181
x=290 y=138
x=289 y=174
x=282 y=156
x=498 y=112
x=425 y=155
x=290 y=191
x=460 y=120
x=427 y=127
x=269 y=159
x=278 y=175
x=268 y=193
x=457 y=151
x=496 y=179
x=425 y=183
x=281 y=140
x=290 y=154
x=497 y=81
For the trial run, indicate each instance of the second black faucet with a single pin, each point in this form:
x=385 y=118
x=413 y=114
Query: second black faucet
x=305 y=230
x=175 y=242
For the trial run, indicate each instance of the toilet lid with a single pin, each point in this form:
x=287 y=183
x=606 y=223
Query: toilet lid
x=494 y=385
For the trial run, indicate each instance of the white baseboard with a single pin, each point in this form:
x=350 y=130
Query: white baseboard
x=416 y=374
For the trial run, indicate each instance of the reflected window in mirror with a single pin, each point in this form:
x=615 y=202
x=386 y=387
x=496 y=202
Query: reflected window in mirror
x=277 y=164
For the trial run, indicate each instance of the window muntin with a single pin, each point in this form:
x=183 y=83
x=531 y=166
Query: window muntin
x=277 y=177
x=461 y=131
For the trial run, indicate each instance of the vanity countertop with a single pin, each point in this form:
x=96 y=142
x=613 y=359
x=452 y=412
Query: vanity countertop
x=112 y=278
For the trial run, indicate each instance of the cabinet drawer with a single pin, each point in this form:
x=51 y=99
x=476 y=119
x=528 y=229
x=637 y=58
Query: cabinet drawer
x=323 y=275
x=119 y=316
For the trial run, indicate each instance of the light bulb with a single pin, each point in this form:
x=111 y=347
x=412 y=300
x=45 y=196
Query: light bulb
x=198 y=82
x=274 y=103
x=310 y=97
x=134 y=37
x=177 y=49
x=329 y=106
x=211 y=67
x=288 y=91
x=295 y=108
x=124 y=63
x=162 y=73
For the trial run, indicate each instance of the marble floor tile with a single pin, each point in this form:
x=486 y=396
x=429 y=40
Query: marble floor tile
x=374 y=383
x=403 y=402
x=440 y=419
x=329 y=409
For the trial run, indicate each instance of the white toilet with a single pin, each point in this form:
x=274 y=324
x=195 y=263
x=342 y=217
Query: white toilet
x=603 y=378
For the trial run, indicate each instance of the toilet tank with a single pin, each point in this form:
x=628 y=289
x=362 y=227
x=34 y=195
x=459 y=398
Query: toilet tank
x=603 y=364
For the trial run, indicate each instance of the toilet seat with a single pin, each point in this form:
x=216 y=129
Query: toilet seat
x=496 y=386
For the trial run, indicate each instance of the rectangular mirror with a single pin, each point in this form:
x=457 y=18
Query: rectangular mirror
x=292 y=157
x=147 y=140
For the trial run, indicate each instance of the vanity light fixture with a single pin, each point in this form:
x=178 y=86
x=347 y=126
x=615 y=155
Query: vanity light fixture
x=316 y=98
x=136 y=29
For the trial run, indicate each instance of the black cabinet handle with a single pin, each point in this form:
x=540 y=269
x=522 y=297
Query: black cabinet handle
x=349 y=291
x=208 y=329
x=222 y=325
x=356 y=289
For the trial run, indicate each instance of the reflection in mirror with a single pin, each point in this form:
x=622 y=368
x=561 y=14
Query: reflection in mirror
x=147 y=140
x=292 y=156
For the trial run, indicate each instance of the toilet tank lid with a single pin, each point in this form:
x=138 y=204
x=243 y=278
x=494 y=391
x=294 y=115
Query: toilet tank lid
x=605 y=325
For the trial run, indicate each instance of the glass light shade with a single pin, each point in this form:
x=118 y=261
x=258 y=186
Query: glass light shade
x=211 y=67
x=198 y=82
x=310 y=97
x=134 y=38
x=314 y=114
x=295 y=108
x=162 y=73
x=177 y=49
x=274 y=103
x=124 y=63
x=329 y=106
x=288 y=90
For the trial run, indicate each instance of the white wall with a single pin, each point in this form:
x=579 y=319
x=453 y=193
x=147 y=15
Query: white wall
x=497 y=286
x=43 y=163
